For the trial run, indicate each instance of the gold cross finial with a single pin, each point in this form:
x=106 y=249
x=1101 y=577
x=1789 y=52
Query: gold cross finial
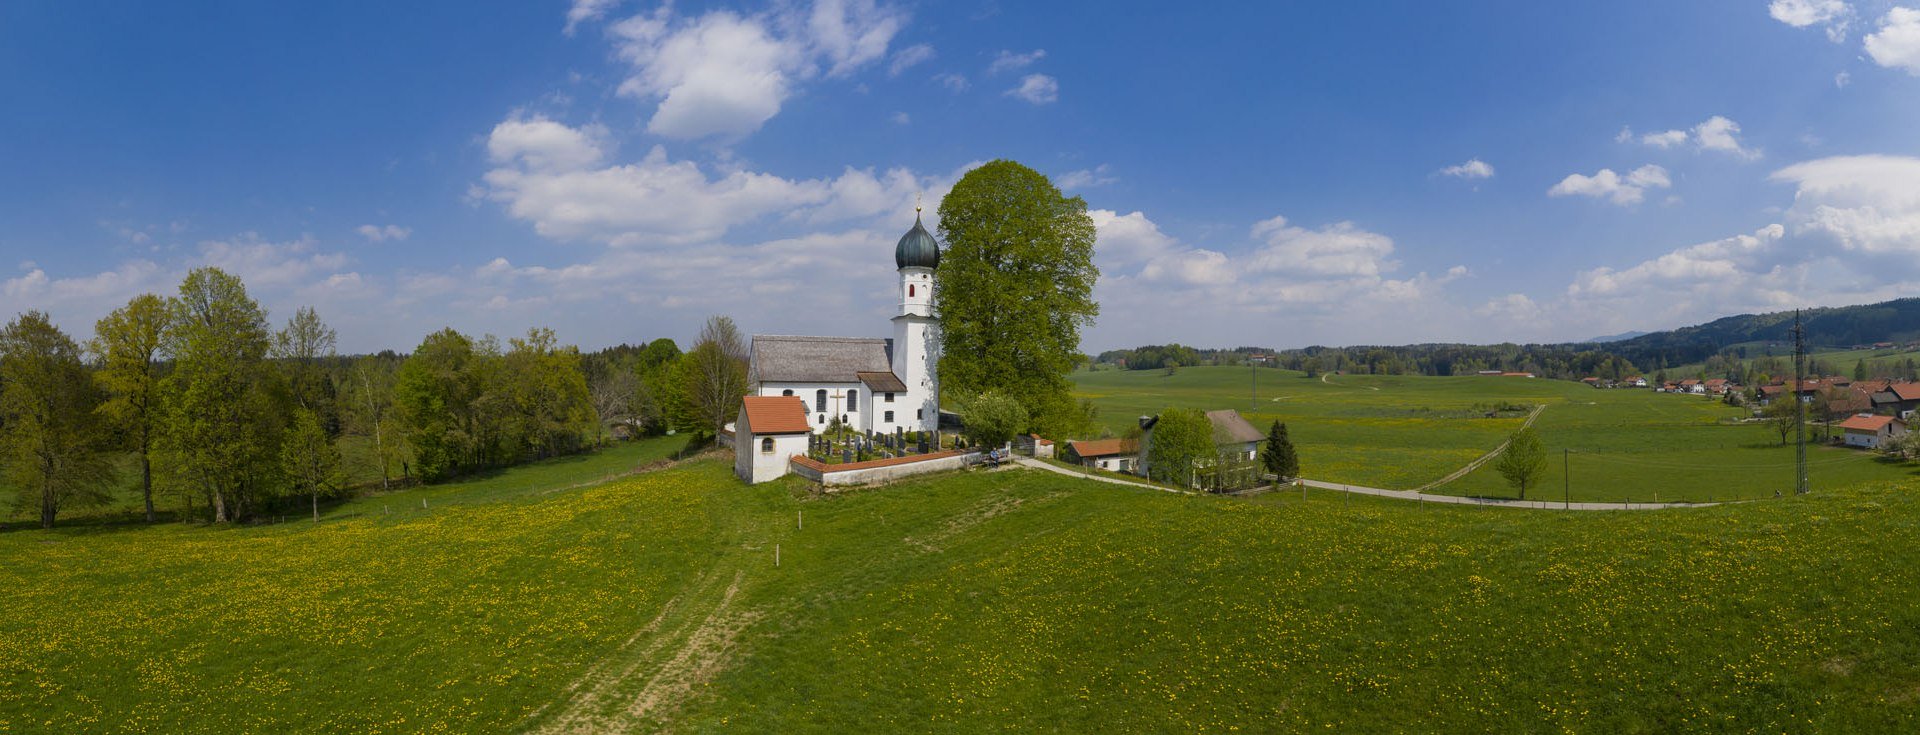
x=916 y=202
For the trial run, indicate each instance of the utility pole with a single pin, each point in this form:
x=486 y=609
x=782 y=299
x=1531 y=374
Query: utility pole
x=1799 y=407
x=1253 y=368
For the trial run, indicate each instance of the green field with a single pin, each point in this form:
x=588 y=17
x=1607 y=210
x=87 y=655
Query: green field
x=1403 y=432
x=984 y=601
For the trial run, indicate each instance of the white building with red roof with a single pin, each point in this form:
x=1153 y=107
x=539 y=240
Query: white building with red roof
x=768 y=431
x=1870 y=430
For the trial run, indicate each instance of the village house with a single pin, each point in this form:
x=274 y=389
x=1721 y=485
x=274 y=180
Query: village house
x=1233 y=437
x=1115 y=455
x=1897 y=399
x=1871 y=430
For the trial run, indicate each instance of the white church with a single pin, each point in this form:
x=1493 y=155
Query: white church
x=869 y=384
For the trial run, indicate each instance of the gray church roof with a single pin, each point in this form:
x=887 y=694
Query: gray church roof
x=917 y=248
x=1230 y=427
x=784 y=359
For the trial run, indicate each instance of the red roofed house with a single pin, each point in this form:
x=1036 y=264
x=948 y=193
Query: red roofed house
x=1898 y=399
x=769 y=431
x=1868 y=430
x=1118 y=455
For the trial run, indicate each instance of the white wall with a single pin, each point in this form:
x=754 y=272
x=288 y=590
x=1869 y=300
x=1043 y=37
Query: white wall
x=756 y=466
x=867 y=416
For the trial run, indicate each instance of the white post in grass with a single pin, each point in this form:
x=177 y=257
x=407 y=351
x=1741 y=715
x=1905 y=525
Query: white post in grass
x=776 y=555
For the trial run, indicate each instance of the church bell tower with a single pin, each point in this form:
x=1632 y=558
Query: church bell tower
x=916 y=332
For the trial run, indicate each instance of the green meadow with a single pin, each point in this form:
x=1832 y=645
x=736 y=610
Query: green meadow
x=1403 y=432
x=545 y=599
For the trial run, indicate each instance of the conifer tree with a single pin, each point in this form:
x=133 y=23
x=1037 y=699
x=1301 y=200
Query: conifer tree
x=1279 y=456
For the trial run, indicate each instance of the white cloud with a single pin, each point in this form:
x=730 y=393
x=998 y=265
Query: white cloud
x=1474 y=168
x=1842 y=79
x=1721 y=134
x=1851 y=236
x=901 y=118
x=909 y=57
x=724 y=75
x=1716 y=133
x=1630 y=189
x=1665 y=138
x=1332 y=283
x=953 y=82
x=1085 y=178
x=1833 y=15
x=1896 y=45
x=1038 y=89
x=540 y=144
x=587 y=11
x=378 y=233
x=1007 y=61
x=555 y=178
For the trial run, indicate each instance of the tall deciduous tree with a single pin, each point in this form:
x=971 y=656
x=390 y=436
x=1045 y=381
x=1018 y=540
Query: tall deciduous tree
x=1016 y=287
x=713 y=376
x=1181 y=439
x=434 y=394
x=50 y=450
x=547 y=391
x=127 y=344
x=224 y=413
x=300 y=346
x=1523 y=461
x=368 y=403
x=310 y=459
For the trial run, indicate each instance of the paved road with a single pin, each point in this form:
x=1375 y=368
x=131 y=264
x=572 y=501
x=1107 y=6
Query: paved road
x=1383 y=493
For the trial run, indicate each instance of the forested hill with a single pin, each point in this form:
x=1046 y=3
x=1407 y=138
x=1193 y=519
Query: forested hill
x=1843 y=326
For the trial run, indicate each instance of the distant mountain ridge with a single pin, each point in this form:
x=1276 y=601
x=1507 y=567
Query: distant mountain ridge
x=1611 y=338
x=1837 y=326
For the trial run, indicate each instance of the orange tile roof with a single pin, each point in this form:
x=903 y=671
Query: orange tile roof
x=1868 y=422
x=776 y=415
x=1101 y=447
x=1906 y=391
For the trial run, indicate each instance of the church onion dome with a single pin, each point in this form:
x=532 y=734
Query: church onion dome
x=917 y=248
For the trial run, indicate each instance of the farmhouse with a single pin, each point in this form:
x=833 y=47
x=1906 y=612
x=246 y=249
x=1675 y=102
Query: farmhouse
x=869 y=385
x=1118 y=455
x=1233 y=436
x=1870 y=430
x=1898 y=399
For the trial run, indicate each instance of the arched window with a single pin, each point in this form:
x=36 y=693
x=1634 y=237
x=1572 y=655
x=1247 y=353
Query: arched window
x=787 y=392
x=909 y=290
x=820 y=400
x=853 y=401
x=766 y=445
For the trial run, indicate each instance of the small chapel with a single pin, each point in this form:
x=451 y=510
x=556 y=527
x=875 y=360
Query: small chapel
x=869 y=384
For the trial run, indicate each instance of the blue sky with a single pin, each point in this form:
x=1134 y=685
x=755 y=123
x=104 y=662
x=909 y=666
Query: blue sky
x=1274 y=174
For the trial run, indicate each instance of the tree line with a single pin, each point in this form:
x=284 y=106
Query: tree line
x=1553 y=361
x=225 y=416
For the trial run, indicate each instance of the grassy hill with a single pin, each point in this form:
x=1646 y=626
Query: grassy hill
x=1010 y=600
x=1843 y=326
x=1402 y=432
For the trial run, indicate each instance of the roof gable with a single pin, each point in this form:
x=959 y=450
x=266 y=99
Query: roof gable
x=1229 y=427
x=774 y=415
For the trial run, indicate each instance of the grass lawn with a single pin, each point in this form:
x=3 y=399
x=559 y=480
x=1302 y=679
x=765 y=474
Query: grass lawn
x=1402 y=432
x=1007 y=601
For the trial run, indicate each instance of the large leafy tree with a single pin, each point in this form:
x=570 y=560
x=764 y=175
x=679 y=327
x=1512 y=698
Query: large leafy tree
x=310 y=459
x=300 y=347
x=552 y=409
x=368 y=410
x=1181 y=439
x=50 y=449
x=993 y=419
x=127 y=344
x=712 y=377
x=1523 y=461
x=434 y=394
x=224 y=407
x=1016 y=287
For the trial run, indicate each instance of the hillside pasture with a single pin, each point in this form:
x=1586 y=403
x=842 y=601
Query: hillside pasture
x=978 y=601
x=1404 y=432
